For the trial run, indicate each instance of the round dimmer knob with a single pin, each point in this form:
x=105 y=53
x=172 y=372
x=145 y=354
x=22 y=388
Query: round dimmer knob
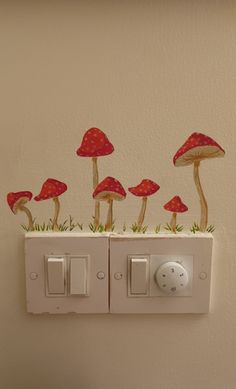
x=172 y=277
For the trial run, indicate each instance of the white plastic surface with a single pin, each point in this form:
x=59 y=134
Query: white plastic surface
x=139 y=276
x=79 y=276
x=193 y=252
x=172 y=278
x=85 y=292
x=135 y=261
x=56 y=275
x=156 y=261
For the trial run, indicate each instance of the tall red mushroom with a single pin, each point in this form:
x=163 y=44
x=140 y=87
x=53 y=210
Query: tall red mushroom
x=52 y=189
x=108 y=190
x=197 y=148
x=17 y=201
x=144 y=189
x=95 y=144
x=175 y=206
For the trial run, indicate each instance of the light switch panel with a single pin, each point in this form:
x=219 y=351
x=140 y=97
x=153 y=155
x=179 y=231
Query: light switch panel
x=178 y=273
x=81 y=260
x=136 y=273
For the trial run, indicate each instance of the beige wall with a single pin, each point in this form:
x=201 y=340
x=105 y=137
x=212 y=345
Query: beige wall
x=148 y=73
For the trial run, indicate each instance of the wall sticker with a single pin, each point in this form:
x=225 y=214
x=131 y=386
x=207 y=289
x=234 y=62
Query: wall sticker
x=109 y=190
x=145 y=189
x=197 y=148
x=17 y=201
x=175 y=206
x=95 y=143
x=52 y=189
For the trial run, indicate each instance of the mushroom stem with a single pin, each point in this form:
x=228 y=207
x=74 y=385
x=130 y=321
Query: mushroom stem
x=108 y=226
x=95 y=182
x=55 y=226
x=29 y=215
x=142 y=212
x=203 y=202
x=173 y=222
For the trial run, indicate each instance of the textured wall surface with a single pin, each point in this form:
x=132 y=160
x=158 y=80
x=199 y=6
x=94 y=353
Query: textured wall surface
x=148 y=73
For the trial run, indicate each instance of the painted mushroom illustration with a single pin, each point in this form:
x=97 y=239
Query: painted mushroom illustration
x=144 y=189
x=17 y=201
x=52 y=189
x=197 y=148
x=175 y=206
x=109 y=190
x=95 y=144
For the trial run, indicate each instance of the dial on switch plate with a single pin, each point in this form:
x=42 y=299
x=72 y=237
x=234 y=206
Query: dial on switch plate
x=172 y=277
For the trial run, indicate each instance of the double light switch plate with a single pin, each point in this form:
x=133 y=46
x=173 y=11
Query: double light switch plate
x=128 y=273
x=67 y=272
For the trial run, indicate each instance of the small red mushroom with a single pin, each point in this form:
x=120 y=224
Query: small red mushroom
x=52 y=189
x=17 y=201
x=108 y=190
x=144 y=189
x=175 y=205
x=95 y=144
x=197 y=148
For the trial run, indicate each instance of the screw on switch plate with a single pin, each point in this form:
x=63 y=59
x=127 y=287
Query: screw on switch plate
x=33 y=276
x=118 y=276
x=100 y=275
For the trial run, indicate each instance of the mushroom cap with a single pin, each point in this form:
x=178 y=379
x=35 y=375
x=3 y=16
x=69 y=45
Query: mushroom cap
x=94 y=144
x=51 y=188
x=17 y=198
x=196 y=148
x=145 y=188
x=176 y=205
x=109 y=189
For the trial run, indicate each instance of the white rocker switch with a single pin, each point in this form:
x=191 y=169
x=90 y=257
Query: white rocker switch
x=56 y=275
x=79 y=276
x=138 y=276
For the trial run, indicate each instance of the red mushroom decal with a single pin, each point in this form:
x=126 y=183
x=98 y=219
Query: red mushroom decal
x=197 y=148
x=144 y=189
x=52 y=189
x=95 y=144
x=17 y=201
x=175 y=206
x=108 y=190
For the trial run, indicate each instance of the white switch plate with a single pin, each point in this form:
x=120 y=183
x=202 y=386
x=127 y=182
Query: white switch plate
x=93 y=247
x=194 y=251
x=94 y=252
